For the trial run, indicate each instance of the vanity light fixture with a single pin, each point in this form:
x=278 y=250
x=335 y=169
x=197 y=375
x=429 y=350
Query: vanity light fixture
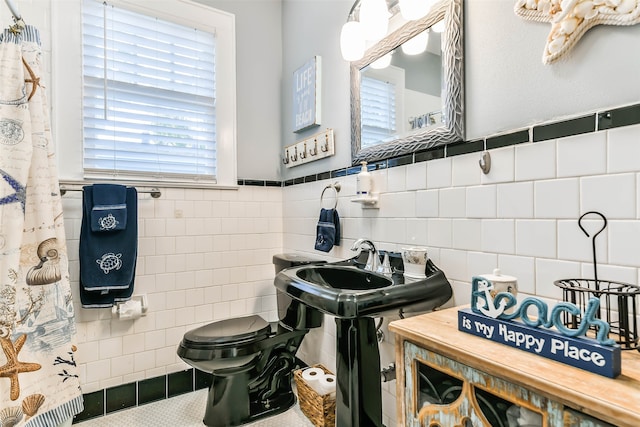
x=382 y=62
x=416 y=45
x=368 y=20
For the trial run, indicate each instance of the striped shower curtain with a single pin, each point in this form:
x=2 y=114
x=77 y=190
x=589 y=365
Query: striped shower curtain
x=39 y=383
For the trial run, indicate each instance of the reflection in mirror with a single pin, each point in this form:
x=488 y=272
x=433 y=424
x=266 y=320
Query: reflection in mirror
x=400 y=92
x=407 y=98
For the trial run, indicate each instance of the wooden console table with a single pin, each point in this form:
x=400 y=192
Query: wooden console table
x=449 y=378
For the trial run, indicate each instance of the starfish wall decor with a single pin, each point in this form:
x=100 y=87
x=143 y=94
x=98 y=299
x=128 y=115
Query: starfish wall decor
x=570 y=19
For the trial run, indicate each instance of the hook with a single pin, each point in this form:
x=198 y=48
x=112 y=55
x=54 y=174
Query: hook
x=485 y=162
x=314 y=151
x=294 y=158
x=325 y=147
x=286 y=157
x=304 y=154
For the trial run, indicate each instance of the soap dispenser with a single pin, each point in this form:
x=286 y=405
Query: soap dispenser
x=363 y=181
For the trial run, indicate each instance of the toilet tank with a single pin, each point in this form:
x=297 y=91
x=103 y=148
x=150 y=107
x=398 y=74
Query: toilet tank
x=291 y=313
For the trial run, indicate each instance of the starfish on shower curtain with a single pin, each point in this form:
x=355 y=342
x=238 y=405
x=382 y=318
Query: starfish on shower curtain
x=570 y=19
x=13 y=367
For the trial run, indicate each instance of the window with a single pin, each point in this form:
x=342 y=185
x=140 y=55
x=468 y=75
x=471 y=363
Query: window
x=149 y=95
x=378 y=98
x=145 y=91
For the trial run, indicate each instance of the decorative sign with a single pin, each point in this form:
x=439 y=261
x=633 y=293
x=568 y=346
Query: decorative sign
x=492 y=318
x=306 y=95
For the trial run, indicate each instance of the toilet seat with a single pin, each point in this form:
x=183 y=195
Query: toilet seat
x=225 y=339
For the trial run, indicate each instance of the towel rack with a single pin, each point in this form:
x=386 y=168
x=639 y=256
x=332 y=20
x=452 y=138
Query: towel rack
x=336 y=188
x=155 y=193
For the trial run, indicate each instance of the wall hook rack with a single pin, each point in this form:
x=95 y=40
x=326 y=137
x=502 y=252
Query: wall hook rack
x=307 y=150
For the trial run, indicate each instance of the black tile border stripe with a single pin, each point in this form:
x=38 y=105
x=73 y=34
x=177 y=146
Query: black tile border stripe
x=617 y=117
x=105 y=401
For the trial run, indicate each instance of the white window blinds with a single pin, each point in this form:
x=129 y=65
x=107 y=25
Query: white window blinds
x=149 y=102
x=378 y=105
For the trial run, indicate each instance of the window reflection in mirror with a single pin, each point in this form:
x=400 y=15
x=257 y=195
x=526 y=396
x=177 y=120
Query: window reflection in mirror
x=402 y=91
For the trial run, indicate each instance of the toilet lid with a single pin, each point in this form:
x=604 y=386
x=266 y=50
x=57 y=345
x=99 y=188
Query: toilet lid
x=226 y=332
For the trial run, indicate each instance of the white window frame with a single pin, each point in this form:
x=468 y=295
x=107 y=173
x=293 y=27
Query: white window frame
x=67 y=88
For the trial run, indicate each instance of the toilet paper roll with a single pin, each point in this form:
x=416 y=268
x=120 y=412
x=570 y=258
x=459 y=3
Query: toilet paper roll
x=326 y=384
x=312 y=377
x=131 y=309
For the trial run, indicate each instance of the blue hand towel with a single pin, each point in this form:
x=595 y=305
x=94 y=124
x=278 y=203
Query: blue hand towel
x=109 y=209
x=328 y=230
x=107 y=260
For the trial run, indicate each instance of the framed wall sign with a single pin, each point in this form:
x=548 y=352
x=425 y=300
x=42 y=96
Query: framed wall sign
x=306 y=95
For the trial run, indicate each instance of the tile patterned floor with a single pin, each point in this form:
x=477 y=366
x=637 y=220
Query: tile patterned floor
x=186 y=410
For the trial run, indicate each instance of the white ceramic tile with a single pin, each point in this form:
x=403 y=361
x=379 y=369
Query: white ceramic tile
x=467 y=234
x=154 y=227
x=535 y=161
x=389 y=230
x=536 y=238
x=502 y=166
x=454 y=263
x=401 y=204
x=466 y=170
x=439 y=232
x=154 y=339
x=172 y=263
x=575 y=245
x=498 y=236
x=624 y=243
x=610 y=272
x=623 y=153
x=612 y=195
x=427 y=204
x=416 y=176
x=515 y=200
x=452 y=202
x=396 y=179
x=523 y=268
x=581 y=155
x=550 y=270
x=557 y=198
x=479 y=263
x=416 y=232
x=439 y=173
x=481 y=201
x=144 y=360
x=122 y=365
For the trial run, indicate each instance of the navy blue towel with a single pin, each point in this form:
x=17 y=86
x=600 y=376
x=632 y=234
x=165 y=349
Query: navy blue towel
x=328 y=230
x=107 y=259
x=109 y=208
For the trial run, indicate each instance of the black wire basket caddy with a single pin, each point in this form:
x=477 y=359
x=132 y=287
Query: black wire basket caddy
x=618 y=305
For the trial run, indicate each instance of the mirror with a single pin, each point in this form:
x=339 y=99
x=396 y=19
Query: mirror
x=423 y=94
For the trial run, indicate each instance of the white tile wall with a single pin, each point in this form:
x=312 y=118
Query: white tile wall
x=522 y=217
x=203 y=256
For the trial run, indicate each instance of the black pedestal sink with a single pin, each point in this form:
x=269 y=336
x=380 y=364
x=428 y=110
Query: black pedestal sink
x=355 y=296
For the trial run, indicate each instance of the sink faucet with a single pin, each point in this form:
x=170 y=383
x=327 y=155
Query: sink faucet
x=373 y=261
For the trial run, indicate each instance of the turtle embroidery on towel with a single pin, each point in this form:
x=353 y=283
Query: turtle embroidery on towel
x=108 y=222
x=109 y=262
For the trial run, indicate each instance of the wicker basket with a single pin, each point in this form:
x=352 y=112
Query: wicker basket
x=321 y=410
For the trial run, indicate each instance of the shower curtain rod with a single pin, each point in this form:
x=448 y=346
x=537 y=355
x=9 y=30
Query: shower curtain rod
x=155 y=193
x=14 y=10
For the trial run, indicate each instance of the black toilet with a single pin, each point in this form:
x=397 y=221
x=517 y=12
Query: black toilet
x=251 y=360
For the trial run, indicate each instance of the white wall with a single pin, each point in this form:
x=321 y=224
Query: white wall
x=506 y=85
